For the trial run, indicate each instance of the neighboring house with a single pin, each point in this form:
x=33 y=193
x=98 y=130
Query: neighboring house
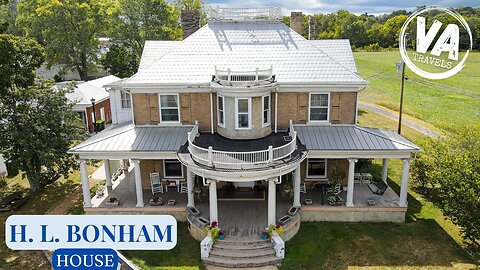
x=3 y=167
x=244 y=119
x=82 y=95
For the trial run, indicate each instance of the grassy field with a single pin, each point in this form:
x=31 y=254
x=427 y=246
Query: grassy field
x=455 y=100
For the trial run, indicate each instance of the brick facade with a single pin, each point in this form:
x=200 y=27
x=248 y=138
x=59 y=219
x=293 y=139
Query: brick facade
x=108 y=114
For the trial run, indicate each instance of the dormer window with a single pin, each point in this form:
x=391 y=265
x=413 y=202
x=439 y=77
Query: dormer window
x=319 y=104
x=126 y=100
x=169 y=109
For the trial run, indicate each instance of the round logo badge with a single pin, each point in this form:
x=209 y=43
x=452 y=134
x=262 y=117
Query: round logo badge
x=442 y=48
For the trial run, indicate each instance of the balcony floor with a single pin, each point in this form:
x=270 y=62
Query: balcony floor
x=221 y=143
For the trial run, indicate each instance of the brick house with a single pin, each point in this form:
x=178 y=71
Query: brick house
x=247 y=123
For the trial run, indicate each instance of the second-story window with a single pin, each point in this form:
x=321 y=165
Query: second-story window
x=169 y=109
x=266 y=111
x=243 y=112
x=221 y=111
x=318 y=107
x=126 y=100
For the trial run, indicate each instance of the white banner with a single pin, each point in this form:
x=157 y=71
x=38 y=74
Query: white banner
x=120 y=232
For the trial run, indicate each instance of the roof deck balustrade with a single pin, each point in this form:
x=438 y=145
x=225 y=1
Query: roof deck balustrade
x=211 y=157
x=216 y=13
x=246 y=77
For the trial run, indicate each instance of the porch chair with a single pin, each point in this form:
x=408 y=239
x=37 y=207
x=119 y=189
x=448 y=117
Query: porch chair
x=157 y=186
x=303 y=188
x=183 y=187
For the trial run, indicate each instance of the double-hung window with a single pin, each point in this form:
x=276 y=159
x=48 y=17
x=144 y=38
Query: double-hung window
x=316 y=168
x=126 y=100
x=172 y=168
x=221 y=110
x=319 y=103
x=243 y=113
x=266 y=111
x=169 y=109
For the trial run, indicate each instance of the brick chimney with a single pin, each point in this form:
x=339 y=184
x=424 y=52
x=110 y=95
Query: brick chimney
x=296 y=19
x=311 y=27
x=190 y=22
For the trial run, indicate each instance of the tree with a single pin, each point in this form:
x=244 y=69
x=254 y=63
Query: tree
x=120 y=61
x=141 y=20
x=67 y=29
x=37 y=124
x=450 y=166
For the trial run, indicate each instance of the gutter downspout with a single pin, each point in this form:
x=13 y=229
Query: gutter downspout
x=276 y=110
x=211 y=111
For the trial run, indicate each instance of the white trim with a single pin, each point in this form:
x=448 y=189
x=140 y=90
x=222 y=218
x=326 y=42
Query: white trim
x=311 y=177
x=249 y=113
x=211 y=113
x=328 y=107
x=126 y=155
x=218 y=111
x=360 y=154
x=172 y=177
x=276 y=110
x=160 y=108
x=269 y=115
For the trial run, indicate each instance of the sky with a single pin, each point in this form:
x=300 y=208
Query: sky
x=374 y=7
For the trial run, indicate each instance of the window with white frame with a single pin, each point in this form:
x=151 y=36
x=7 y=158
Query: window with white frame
x=221 y=111
x=169 y=109
x=126 y=100
x=172 y=168
x=243 y=113
x=316 y=168
x=266 y=111
x=319 y=107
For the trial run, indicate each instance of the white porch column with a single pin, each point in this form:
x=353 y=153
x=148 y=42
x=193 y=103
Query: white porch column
x=191 y=200
x=351 y=183
x=296 y=187
x=212 y=192
x=276 y=110
x=384 y=170
x=272 y=206
x=108 y=173
x=87 y=200
x=404 y=184
x=138 y=182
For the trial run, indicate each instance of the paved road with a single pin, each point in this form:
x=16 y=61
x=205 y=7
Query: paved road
x=394 y=116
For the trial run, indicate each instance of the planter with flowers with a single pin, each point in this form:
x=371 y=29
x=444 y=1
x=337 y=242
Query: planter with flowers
x=275 y=230
x=212 y=230
x=221 y=235
x=264 y=235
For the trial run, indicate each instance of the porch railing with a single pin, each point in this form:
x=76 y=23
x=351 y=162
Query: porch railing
x=216 y=13
x=248 y=76
x=211 y=156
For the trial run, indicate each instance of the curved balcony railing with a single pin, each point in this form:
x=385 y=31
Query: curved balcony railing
x=210 y=156
x=255 y=76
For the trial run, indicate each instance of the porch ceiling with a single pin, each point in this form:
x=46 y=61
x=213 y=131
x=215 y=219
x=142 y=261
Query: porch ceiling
x=353 y=141
x=129 y=141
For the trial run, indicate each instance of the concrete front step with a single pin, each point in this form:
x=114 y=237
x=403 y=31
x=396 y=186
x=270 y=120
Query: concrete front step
x=243 y=240
x=242 y=262
x=250 y=246
x=249 y=253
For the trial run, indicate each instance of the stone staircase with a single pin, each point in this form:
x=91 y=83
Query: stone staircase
x=242 y=252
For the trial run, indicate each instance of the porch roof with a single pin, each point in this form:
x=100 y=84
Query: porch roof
x=353 y=138
x=126 y=139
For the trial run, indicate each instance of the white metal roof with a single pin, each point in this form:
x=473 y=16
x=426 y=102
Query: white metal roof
x=352 y=138
x=84 y=91
x=338 y=49
x=155 y=49
x=243 y=46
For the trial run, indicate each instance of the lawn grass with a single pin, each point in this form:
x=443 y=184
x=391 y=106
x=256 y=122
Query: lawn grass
x=185 y=255
x=37 y=204
x=451 y=101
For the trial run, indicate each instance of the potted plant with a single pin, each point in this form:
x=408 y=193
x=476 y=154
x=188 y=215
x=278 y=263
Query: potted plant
x=156 y=201
x=112 y=202
x=264 y=235
x=336 y=177
x=212 y=230
x=221 y=235
x=335 y=200
x=198 y=193
x=100 y=124
x=275 y=230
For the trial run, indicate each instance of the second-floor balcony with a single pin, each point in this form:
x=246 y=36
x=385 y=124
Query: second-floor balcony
x=227 y=77
x=216 y=151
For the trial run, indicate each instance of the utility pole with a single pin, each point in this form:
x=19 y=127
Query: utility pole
x=401 y=98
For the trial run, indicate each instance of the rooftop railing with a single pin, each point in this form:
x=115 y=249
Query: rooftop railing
x=216 y=13
x=211 y=157
x=255 y=76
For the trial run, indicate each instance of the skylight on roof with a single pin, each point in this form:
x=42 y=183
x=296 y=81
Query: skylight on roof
x=216 y=13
